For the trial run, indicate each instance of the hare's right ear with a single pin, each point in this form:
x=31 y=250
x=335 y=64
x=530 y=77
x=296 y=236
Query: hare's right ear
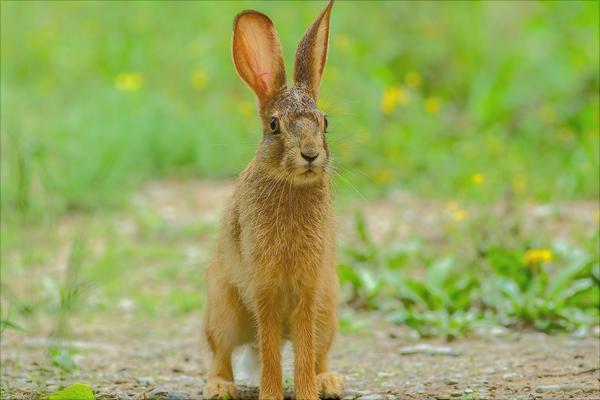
x=311 y=53
x=257 y=54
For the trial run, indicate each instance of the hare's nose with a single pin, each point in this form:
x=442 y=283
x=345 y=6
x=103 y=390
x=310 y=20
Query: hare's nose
x=309 y=158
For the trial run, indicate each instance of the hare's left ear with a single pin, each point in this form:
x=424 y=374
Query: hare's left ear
x=311 y=54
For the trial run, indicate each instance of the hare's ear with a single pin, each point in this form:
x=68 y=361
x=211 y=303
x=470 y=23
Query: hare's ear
x=311 y=54
x=257 y=54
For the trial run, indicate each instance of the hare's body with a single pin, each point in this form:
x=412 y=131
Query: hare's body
x=252 y=271
x=273 y=276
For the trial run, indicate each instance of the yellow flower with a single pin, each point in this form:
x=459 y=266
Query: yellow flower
x=412 y=79
x=129 y=81
x=478 y=178
x=432 y=105
x=382 y=176
x=389 y=100
x=199 y=79
x=245 y=108
x=537 y=256
x=457 y=213
x=518 y=184
x=393 y=96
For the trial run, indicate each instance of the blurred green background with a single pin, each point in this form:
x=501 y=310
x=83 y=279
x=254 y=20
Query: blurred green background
x=436 y=98
x=473 y=105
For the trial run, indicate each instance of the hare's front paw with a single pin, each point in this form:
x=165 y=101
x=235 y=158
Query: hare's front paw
x=330 y=385
x=219 y=389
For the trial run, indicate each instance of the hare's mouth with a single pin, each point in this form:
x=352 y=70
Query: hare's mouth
x=308 y=174
x=309 y=171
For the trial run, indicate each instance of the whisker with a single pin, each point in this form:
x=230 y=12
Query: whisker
x=351 y=185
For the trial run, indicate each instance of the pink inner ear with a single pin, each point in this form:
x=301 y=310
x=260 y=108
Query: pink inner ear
x=257 y=53
x=259 y=44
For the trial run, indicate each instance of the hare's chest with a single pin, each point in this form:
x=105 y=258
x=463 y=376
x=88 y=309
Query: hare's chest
x=286 y=242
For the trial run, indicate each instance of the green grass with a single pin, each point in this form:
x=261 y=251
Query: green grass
x=476 y=279
x=508 y=91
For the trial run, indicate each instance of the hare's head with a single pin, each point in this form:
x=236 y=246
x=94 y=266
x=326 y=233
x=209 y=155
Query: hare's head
x=294 y=145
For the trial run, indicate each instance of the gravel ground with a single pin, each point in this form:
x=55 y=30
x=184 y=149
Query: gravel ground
x=130 y=360
x=129 y=357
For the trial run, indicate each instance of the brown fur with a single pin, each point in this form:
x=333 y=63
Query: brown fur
x=272 y=275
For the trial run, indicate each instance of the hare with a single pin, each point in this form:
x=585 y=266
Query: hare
x=272 y=276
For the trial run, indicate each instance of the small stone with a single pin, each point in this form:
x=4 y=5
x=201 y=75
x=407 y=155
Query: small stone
x=456 y=394
x=468 y=391
x=164 y=394
x=418 y=389
x=144 y=381
x=52 y=388
x=510 y=377
x=356 y=393
x=424 y=348
x=451 y=381
x=373 y=396
x=558 y=388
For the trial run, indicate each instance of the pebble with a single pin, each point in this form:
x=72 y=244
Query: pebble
x=451 y=381
x=164 y=394
x=373 y=396
x=424 y=348
x=53 y=388
x=418 y=389
x=144 y=381
x=558 y=388
x=510 y=376
x=356 y=393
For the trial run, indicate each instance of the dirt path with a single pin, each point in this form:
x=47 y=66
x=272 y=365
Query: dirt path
x=131 y=357
x=383 y=363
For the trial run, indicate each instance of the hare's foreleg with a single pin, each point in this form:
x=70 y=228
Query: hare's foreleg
x=226 y=327
x=329 y=383
x=303 y=336
x=268 y=316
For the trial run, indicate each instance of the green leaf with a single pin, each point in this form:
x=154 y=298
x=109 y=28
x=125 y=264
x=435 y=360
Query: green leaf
x=5 y=323
x=348 y=274
x=77 y=391
x=361 y=228
x=561 y=280
x=437 y=275
x=62 y=358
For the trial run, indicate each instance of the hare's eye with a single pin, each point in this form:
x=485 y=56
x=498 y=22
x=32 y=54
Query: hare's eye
x=326 y=123
x=274 y=125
